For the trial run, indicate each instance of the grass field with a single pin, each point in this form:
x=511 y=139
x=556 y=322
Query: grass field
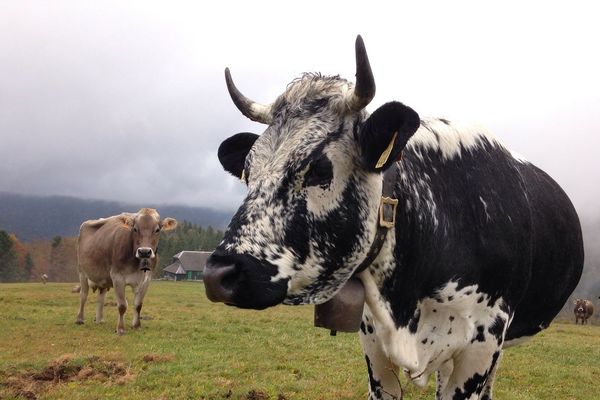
x=189 y=348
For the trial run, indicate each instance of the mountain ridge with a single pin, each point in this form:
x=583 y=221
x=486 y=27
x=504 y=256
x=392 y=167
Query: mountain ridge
x=32 y=217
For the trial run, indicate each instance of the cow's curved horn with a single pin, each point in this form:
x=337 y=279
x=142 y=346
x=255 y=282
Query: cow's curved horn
x=255 y=111
x=364 y=89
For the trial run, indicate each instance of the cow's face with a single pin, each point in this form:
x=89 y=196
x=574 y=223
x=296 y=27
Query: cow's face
x=314 y=183
x=145 y=229
x=580 y=305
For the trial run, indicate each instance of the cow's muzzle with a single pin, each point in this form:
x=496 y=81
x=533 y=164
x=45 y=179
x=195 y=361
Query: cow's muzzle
x=242 y=281
x=144 y=264
x=144 y=253
x=218 y=281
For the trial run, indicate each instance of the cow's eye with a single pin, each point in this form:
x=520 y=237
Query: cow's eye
x=157 y=229
x=135 y=229
x=320 y=173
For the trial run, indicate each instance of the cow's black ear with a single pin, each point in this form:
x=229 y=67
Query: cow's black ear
x=384 y=134
x=233 y=151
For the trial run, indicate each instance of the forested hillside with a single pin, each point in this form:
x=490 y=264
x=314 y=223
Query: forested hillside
x=32 y=217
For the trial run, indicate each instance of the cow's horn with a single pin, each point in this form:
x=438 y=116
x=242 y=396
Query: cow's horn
x=255 y=111
x=364 y=89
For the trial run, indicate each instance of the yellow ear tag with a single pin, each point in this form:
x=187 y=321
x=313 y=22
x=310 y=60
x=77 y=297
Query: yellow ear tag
x=243 y=177
x=386 y=153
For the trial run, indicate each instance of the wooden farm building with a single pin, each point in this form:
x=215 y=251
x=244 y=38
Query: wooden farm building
x=186 y=266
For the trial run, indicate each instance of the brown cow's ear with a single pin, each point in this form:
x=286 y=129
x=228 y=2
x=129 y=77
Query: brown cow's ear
x=126 y=220
x=168 y=224
x=385 y=134
x=233 y=151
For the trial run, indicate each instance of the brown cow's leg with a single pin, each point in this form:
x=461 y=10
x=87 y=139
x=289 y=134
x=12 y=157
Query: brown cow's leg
x=83 y=293
x=119 y=284
x=140 y=292
x=100 y=306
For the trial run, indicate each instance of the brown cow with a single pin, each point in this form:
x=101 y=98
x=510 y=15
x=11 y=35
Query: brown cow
x=119 y=251
x=583 y=310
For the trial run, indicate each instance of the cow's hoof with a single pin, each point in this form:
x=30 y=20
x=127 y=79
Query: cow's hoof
x=99 y=322
x=79 y=322
x=136 y=326
x=120 y=331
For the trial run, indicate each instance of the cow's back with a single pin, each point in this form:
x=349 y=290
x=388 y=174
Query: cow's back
x=557 y=253
x=99 y=244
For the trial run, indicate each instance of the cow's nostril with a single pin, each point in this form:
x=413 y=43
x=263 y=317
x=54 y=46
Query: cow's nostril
x=220 y=282
x=144 y=252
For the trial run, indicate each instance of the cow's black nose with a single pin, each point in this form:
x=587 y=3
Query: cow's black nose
x=144 y=252
x=219 y=281
x=243 y=281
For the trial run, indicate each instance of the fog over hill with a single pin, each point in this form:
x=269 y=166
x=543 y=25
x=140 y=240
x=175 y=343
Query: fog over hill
x=43 y=217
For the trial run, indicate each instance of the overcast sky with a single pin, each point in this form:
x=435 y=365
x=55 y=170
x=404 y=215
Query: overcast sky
x=127 y=101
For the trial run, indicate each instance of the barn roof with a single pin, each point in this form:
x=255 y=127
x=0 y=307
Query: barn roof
x=188 y=261
x=174 y=268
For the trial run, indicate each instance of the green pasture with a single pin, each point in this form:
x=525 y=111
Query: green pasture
x=189 y=348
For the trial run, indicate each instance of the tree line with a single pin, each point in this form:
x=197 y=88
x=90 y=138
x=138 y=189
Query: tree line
x=15 y=265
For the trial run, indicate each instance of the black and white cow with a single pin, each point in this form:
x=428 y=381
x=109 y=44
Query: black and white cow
x=485 y=250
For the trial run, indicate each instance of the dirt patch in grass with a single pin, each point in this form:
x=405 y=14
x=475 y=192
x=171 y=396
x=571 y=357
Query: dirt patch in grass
x=31 y=384
x=155 y=357
x=258 y=395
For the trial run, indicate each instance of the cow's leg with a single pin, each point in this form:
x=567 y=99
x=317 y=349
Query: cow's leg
x=100 y=306
x=443 y=375
x=140 y=292
x=383 y=375
x=119 y=284
x=83 y=294
x=473 y=373
x=486 y=394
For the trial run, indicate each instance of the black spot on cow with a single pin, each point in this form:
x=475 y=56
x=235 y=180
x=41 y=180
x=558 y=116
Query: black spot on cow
x=414 y=322
x=473 y=385
x=480 y=299
x=445 y=121
x=497 y=328
x=424 y=341
x=450 y=298
x=468 y=292
x=370 y=328
x=450 y=331
x=451 y=318
x=479 y=336
x=362 y=328
x=434 y=310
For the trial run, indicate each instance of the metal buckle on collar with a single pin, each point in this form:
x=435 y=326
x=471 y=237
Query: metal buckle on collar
x=387 y=212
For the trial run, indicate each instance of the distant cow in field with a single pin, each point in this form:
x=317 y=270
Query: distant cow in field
x=44 y=278
x=583 y=310
x=116 y=252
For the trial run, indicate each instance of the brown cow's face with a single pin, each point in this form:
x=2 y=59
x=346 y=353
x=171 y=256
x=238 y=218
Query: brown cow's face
x=146 y=227
x=580 y=306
